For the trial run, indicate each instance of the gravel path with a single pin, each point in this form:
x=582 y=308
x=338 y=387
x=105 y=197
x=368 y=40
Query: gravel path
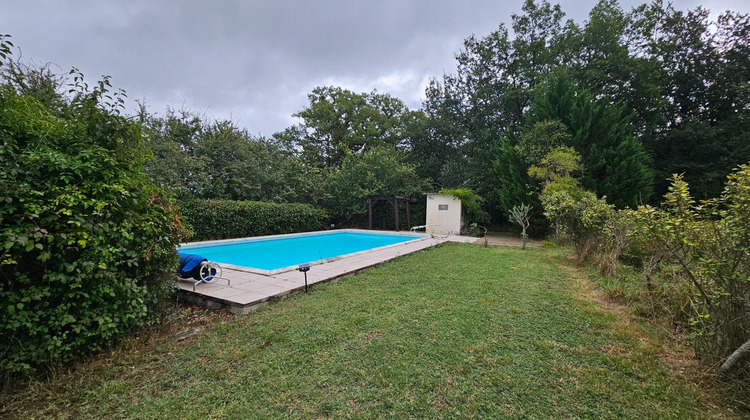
x=507 y=239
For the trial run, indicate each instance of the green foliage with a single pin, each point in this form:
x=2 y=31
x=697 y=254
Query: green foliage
x=558 y=173
x=579 y=216
x=653 y=88
x=471 y=203
x=87 y=241
x=5 y=46
x=700 y=110
x=694 y=261
x=705 y=152
x=217 y=160
x=443 y=135
x=486 y=100
x=37 y=81
x=710 y=244
x=615 y=163
x=339 y=122
x=513 y=184
x=380 y=171
x=225 y=219
x=557 y=167
x=542 y=138
x=673 y=233
x=575 y=213
x=432 y=148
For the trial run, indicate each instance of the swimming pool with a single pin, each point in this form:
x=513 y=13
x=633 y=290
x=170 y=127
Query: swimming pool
x=288 y=251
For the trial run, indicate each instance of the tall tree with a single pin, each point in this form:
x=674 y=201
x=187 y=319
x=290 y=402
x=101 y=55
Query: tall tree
x=704 y=80
x=198 y=158
x=608 y=64
x=513 y=186
x=378 y=171
x=615 y=162
x=487 y=97
x=338 y=121
x=437 y=152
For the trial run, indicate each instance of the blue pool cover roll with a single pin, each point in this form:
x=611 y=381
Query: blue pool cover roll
x=190 y=266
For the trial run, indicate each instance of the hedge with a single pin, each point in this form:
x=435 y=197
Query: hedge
x=228 y=219
x=87 y=242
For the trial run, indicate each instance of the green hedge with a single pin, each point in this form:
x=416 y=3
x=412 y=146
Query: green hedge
x=87 y=242
x=227 y=219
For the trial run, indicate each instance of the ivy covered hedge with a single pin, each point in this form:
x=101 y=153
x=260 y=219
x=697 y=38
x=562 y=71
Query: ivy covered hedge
x=237 y=219
x=87 y=241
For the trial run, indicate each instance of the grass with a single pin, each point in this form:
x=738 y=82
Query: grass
x=455 y=331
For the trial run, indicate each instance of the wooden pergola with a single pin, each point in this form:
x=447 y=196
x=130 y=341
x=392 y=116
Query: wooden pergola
x=395 y=200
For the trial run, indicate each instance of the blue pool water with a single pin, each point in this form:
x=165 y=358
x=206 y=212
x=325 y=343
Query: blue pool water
x=275 y=253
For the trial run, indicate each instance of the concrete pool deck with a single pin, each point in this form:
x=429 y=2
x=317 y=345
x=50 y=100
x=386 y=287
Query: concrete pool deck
x=247 y=291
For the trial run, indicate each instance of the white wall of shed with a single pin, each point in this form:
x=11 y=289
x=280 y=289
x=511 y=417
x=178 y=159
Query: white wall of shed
x=450 y=218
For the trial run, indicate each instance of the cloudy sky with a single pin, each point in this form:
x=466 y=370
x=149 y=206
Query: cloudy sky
x=255 y=61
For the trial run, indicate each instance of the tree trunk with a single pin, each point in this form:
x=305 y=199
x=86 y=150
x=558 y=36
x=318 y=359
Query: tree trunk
x=735 y=357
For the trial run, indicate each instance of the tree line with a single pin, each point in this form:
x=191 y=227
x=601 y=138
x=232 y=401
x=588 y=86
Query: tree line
x=639 y=95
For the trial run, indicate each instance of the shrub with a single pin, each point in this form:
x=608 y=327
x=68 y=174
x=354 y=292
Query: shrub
x=238 y=219
x=521 y=215
x=87 y=242
x=709 y=243
x=579 y=216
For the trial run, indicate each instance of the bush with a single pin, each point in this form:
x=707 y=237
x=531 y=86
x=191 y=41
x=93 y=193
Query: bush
x=238 y=219
x=87 y=242
x=581 y=217
x=710 y=244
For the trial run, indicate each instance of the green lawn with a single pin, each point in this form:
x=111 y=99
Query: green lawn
x=456 y=331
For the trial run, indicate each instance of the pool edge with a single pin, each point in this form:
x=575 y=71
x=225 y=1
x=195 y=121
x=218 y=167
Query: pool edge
x=280 y=270
x=257 y=291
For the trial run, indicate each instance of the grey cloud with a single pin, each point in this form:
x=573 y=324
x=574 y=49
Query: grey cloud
x=256 y=60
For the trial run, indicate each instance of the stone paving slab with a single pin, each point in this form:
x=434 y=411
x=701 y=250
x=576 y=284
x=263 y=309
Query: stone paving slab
x=247 y=291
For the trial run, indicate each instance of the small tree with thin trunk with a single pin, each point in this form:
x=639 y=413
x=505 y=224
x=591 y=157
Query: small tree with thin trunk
x=521 y=215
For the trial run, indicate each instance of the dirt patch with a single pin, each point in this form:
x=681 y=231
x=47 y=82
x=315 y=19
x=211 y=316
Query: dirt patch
x=507 y=239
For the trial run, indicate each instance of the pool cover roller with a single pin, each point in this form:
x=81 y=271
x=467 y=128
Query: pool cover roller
x=191 y=265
